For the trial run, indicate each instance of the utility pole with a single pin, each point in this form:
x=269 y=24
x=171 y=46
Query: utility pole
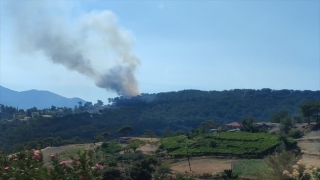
x=188 y=157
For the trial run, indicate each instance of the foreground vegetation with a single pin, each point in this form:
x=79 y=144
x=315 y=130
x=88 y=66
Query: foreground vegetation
x=105 y=162
x=101 y=162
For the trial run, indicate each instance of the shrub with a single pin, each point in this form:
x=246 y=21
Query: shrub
x=301 y=171
x=228 y=174
x=295 y=134
x=135 y=144
x=112 y=162
x=213 y=144
x=290 y=143
x=130 y=156
x=205 y=176
x=280 y=162
x=162 y=172
x=143 y=169
x=111 y=147
x=183 y=177
x=112 y=173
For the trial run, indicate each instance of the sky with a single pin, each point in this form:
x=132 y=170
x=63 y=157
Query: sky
x=173 y=45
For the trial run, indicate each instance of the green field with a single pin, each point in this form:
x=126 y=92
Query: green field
x=239 y=144
x=251 y=167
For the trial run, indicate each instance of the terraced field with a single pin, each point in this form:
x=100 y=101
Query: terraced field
x=234 y=144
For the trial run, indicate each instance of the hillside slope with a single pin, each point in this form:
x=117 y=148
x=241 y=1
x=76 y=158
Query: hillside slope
x=220 y=106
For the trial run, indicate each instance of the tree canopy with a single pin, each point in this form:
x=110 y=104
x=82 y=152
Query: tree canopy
x=125 y=129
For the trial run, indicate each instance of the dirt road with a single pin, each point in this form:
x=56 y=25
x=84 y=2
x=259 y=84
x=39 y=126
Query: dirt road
x=310 y=146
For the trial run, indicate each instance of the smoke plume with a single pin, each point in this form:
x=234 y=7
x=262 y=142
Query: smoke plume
x=92 y=43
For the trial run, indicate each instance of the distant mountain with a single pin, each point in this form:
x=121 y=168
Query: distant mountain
x=35 y=98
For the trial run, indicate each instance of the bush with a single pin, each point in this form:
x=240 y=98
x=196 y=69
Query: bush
x=112 y=173
x=228 y=174
x=111 y=147
x=162 y=172
x=183 y=177
x=205 y=176
x=130 y=156
x=295 y=134
x=301 y=171
x=112 y=162
x=213 y=144
x=143 y=169
x=280 y=162
x=290 y=143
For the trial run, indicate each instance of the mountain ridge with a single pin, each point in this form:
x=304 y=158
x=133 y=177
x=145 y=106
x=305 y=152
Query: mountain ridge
x=35 y=98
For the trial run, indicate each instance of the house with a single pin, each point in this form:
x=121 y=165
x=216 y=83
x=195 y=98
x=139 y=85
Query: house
x=213 y=130
x=266 y=125
x=18 y=115
x=234 y=125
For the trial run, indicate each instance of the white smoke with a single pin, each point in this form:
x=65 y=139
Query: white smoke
x=92 y=44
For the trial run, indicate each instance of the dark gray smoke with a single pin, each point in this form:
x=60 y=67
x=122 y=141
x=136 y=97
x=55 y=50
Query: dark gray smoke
x=91 y=44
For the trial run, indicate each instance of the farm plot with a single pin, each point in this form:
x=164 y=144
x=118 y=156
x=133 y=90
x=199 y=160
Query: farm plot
x=238 y=144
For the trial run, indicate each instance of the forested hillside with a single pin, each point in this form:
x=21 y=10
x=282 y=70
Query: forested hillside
x=220 y=106
x=161 y=113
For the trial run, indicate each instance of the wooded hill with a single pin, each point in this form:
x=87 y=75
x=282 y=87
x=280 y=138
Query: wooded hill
x=190 y=106
x=163 y=112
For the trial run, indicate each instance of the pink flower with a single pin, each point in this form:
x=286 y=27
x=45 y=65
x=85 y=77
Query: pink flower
x=300 y=162
x=36 y=152
x=286 y=172
x=99 y=166
x=295 y=173
x=6 y=168
x=15 y=159
x=63 y=162
x=307 y=171
x=36 y=155
x=26 y=158
x=27 y=151
x=295 y=167
x=53 y=155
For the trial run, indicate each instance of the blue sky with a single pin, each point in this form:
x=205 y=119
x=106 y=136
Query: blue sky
x=205 y=45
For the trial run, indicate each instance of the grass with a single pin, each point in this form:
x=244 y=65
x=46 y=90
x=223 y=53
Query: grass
x=250 y=167
x=72 y=151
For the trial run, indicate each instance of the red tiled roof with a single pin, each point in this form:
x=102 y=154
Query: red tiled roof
x=234 y=124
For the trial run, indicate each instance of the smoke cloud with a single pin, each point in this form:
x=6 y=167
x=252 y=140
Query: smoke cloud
x=92 y=43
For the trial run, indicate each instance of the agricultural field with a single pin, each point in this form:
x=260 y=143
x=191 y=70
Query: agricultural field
x=233 y=144
x=250 y=167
